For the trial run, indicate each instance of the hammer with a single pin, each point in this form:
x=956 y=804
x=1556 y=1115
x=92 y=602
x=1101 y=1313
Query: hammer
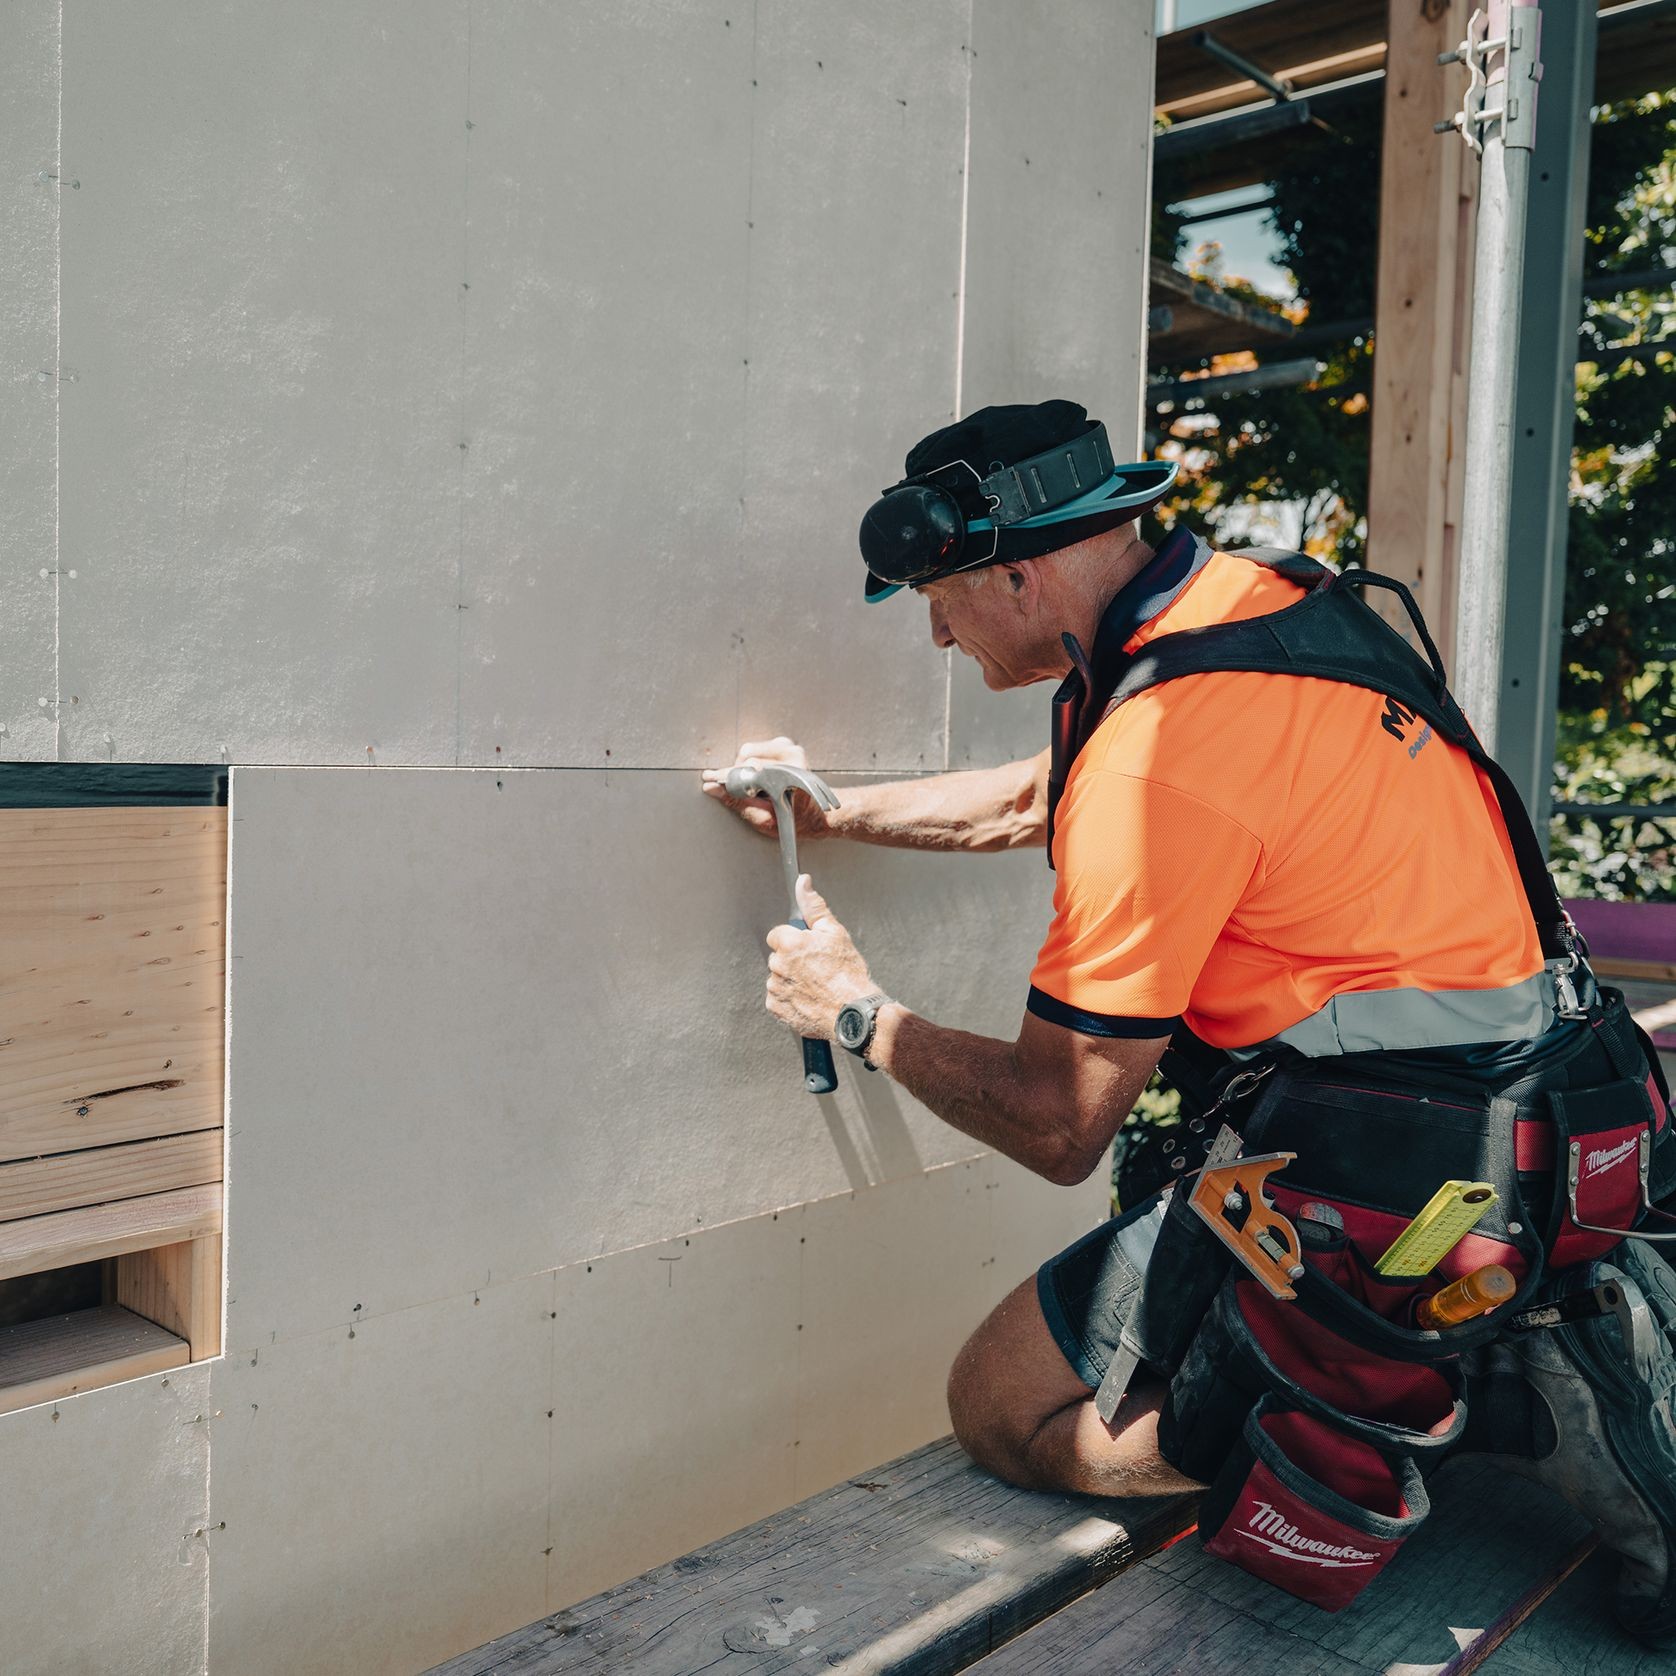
x=776 y=782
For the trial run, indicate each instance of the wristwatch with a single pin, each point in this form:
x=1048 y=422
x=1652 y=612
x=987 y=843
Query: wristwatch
x=857 y=1022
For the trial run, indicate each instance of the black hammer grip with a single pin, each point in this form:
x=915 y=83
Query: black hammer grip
x=820 y=1075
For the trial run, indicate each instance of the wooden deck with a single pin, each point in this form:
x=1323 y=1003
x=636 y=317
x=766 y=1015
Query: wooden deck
x=929 y=1566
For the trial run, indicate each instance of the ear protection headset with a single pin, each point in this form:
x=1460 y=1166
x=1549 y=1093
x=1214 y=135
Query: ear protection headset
x=953 y=518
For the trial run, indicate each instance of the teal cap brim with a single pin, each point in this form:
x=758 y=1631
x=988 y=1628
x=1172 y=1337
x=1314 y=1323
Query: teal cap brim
x=1131 y=488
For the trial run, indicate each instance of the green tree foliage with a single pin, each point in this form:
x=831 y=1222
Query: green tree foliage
x=1617 y=733
x=1305 y=447
x=1620 y=603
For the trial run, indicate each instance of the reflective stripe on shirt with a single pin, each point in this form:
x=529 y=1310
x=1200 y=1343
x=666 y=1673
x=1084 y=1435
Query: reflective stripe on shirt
x=1375 y=1020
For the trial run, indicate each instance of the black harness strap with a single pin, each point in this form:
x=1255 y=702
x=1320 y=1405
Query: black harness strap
x=1330 y=634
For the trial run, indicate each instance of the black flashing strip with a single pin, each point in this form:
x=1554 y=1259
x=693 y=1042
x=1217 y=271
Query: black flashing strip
x=100 y=785
x=1097 y=1024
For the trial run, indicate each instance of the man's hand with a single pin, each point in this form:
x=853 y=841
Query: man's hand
x=813 y=974
x=758 y=812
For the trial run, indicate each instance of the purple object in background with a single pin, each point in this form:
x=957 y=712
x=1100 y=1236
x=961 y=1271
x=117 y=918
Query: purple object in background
x=1640 y=931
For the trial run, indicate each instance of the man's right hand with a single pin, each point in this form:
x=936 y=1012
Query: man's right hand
x=758 y=812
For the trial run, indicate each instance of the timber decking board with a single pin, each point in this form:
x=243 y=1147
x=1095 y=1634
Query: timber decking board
x=37 y=1186
x=41 y=1361
x=1573 y=1633
x=1491 y=1536
x=111 y=994
x=81 y=1236
x=922 y=1565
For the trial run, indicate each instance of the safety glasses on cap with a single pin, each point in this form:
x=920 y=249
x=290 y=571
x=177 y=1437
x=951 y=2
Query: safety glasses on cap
x=949 y=520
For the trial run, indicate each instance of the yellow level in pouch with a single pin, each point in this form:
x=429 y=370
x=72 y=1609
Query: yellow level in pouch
x=1437 y=1230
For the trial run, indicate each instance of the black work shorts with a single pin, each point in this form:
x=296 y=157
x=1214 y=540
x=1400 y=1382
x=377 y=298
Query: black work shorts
x=1085 y=1292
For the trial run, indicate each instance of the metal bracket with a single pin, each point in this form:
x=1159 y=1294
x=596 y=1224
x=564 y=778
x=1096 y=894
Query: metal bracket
x=1281 y=87
x=1508 y=62
x=1644 y=1157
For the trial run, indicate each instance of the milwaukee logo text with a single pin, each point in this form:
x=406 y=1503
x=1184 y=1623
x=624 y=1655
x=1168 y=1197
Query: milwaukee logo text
x=1607 y=1156
x=1269 y=1527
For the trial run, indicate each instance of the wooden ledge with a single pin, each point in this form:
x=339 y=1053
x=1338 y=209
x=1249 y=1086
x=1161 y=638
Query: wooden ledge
x=36 y=1243
x=920 y=1566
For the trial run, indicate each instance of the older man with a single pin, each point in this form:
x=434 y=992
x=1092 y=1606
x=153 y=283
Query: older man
x=1297 y=857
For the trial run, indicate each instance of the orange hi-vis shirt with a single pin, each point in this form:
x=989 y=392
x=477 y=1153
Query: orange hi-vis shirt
x=1280 y=858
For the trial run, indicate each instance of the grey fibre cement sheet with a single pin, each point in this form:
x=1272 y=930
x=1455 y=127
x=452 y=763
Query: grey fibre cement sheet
x=1182 y=1613
x=1070 y=105
x=921 y=1565
x=29 y=384
x=473 y=959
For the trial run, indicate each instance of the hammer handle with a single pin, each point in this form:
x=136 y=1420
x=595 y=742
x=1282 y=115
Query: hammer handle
x=820 y=1075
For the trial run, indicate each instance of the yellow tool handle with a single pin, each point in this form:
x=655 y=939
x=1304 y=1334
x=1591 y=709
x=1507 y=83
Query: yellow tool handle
x=1461 y=1300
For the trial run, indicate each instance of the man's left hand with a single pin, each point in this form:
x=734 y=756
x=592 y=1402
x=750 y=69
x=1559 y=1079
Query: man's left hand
x=813 y=974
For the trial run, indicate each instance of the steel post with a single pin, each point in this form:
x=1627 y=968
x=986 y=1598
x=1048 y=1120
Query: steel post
x=1546 y=409
x=1507 y=128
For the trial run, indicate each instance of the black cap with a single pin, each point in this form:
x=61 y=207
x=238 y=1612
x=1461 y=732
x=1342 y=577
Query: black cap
x=994 y=438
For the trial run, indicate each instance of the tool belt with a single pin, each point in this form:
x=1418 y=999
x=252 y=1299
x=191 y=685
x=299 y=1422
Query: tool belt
x=1316 y=1420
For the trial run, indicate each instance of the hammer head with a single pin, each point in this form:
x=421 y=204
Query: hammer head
x=774 y=780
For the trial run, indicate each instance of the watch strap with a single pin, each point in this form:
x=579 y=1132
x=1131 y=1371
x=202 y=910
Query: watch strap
x=871 y=1004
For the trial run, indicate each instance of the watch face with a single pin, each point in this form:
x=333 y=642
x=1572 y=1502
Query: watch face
x=852 y=1026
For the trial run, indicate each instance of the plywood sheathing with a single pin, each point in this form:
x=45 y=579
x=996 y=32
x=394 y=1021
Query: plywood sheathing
x=1056 y=236
x=29 y=382
x=103 y=1558
x=1423 y=309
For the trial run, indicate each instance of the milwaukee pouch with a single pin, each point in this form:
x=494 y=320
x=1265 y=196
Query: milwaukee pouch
x=1309 y=1509
x=1252 y=1345
x=1602 y=1164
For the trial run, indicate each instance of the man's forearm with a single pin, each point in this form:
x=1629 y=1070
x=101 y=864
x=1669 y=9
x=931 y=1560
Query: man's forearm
x=975 y=1084
x=1001 y=808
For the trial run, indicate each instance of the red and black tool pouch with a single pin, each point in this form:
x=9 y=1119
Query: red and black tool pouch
x=1314 y=1419
x=1313 y=1445
x=1309 y=1508
x=1600 y=1144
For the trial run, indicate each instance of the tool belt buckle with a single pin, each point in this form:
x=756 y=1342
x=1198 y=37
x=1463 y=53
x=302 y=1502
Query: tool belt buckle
x=1569 y=1003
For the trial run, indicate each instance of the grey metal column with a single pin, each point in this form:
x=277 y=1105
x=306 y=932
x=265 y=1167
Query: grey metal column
x=1545 y=405
x=1504 y=41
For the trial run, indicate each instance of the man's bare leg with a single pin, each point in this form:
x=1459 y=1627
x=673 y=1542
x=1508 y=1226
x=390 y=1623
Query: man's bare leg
x=1021 y=1412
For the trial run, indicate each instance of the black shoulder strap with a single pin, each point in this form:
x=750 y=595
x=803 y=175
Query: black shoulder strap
x=1332 y=634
